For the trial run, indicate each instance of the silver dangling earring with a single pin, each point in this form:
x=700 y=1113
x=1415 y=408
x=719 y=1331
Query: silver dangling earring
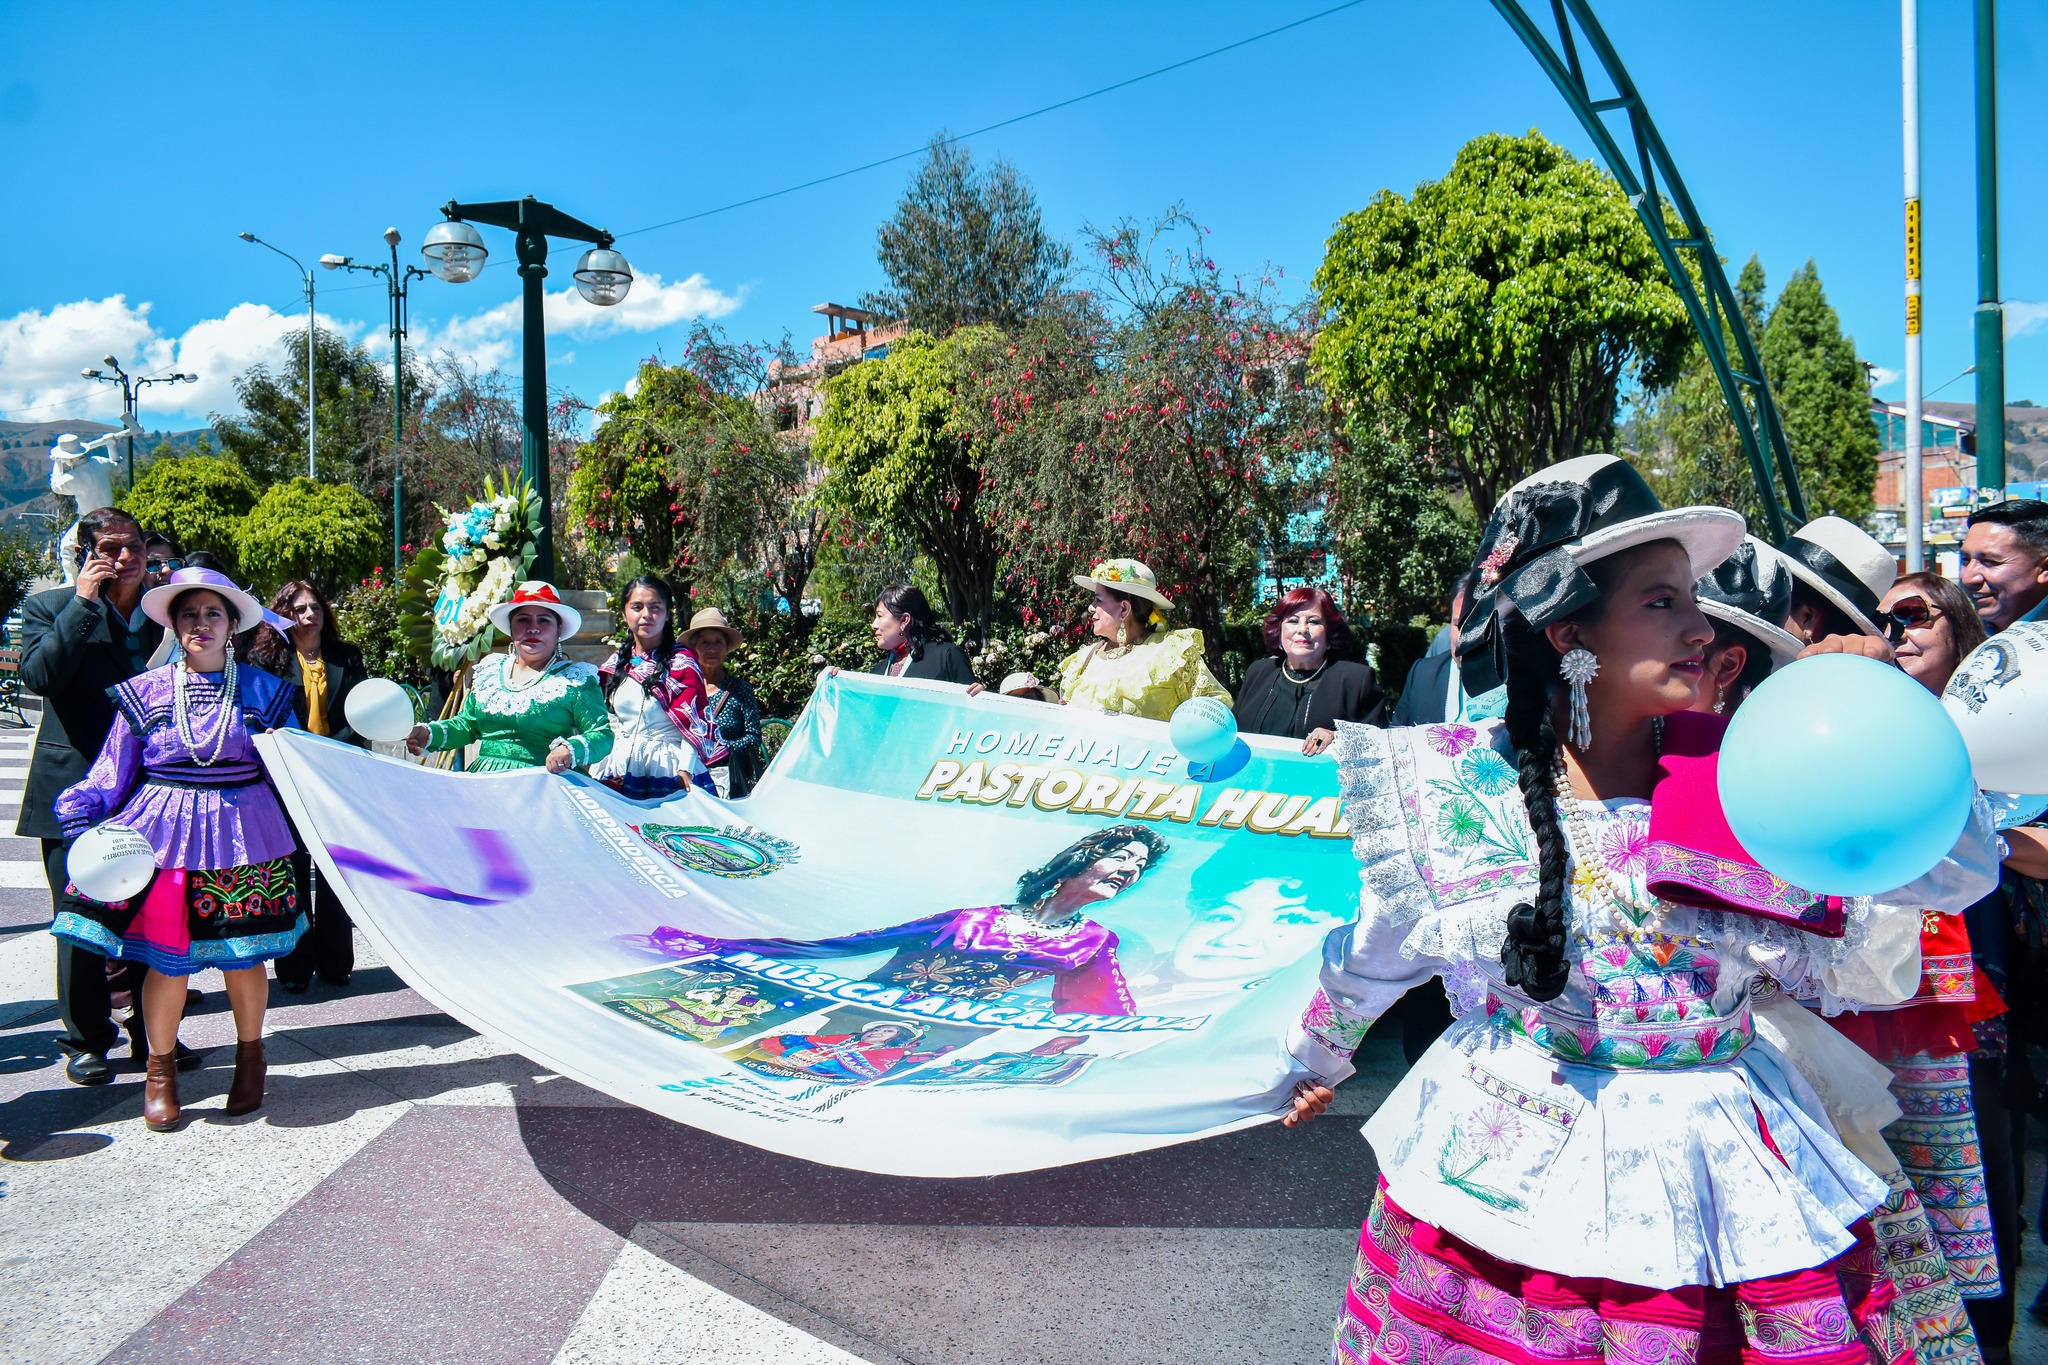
x=1579 y=668
x=1720 y=706
x=1123 y=634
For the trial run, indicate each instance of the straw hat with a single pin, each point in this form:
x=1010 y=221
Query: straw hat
x=1841 y=562
x=156 y=603
x=534 y=593
x=710 y=618
x=1128 y=576
x=1026 y=685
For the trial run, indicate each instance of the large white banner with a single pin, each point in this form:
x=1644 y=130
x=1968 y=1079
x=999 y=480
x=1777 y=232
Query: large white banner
x=947 y=936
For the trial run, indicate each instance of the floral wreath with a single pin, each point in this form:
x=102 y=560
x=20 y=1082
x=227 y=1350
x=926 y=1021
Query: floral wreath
x=485 y=552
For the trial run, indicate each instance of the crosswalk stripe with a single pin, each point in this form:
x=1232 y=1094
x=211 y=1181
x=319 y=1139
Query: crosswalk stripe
x=23 y=876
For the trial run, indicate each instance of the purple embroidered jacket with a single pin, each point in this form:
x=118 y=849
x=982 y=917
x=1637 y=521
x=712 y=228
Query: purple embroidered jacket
x=146 y=778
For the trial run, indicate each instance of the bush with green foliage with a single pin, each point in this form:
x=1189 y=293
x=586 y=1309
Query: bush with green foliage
x=326 y=532
x=24 y=557
x=200 y=500
x=369 y=618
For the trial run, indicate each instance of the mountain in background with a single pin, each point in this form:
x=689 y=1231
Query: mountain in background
x=25 y=460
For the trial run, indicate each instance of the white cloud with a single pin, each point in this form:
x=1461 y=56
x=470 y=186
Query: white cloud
x=1880 y=376
x=492 y=336
x=41 y=352
x=2022 y=318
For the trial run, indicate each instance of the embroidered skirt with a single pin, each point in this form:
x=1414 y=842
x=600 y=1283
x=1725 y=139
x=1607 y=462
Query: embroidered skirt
x=190 y=919
x=1420 y=1295
x=1928 y=1307
x=1937 y=1143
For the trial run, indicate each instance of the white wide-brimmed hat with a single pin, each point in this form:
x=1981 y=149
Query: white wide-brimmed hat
x=156 y=603
x=1752 y=591
x=1026 y=685
x=1548 y=528
x=68 y=448
x=1845 y=564
x=534 y=593
x=1129 y=576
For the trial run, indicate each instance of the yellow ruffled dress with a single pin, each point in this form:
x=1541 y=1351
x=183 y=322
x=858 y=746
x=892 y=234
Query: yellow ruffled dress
x=1150 y=679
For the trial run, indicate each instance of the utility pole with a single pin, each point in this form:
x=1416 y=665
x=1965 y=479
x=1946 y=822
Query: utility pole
x=397 y=280
x=312 y=471
x=1914 y=497
x=1990 y=311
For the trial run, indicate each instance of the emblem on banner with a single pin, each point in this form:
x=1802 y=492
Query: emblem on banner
x=736 y=851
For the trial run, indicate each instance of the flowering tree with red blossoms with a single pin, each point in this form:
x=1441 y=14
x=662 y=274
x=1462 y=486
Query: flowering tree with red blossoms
x=1167 y=416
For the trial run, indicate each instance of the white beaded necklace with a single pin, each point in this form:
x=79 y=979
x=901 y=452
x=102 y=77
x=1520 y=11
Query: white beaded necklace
x=1586 y=853
x=1021 y=923
x=181 y=710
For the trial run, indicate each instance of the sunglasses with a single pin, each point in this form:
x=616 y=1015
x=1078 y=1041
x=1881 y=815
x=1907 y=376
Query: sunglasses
x=164 y=565
x=1908 y=613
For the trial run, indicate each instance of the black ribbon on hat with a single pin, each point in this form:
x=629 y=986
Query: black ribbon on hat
x=1840 y=576
x=1525 y=561
x=1741 y=582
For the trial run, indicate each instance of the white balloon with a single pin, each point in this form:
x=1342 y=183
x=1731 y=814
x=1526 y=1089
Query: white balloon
x=1998 y=698
x=379 y=709
x=110 y=863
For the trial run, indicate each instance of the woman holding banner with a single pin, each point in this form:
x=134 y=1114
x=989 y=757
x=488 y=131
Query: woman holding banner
x=664 y=737
x=1306 y=685
x=1599 y=1156
x=178 y=768
x=533 y=707
x=992 y=952
x=1136 y=666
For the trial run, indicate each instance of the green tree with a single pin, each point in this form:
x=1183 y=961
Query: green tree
x=1180 y=429
x=1823 y=398
x=327 y=532
x=965 y=246
x=199 y=499
x=895 y=462
x=353 y=399
x=1497 y=311
x=23 y=558
x=1402 y=540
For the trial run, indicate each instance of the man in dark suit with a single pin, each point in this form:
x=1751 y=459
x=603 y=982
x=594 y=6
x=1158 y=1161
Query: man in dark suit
x=1425 y=697
x=77 y=642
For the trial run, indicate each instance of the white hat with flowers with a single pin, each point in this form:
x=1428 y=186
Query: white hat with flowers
x=1128 y=576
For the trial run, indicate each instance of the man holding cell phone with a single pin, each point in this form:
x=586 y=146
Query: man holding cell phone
x=76 y=642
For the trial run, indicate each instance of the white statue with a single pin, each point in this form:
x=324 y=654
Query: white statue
x=88 y=480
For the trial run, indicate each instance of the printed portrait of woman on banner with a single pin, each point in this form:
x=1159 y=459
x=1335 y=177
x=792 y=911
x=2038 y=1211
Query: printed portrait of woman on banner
x=1248 y=918
x=995 y=952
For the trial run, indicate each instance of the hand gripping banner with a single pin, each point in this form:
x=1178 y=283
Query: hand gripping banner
x=947 y=936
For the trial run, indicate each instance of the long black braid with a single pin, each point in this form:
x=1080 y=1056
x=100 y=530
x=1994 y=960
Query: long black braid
x=1534 y=953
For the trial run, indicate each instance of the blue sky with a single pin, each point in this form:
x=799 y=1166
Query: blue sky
x=139 y=140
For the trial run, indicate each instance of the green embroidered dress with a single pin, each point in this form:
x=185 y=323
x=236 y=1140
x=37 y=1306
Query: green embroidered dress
x=519 y=723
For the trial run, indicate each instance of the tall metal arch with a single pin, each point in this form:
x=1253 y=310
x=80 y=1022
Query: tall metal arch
x=1742 y=381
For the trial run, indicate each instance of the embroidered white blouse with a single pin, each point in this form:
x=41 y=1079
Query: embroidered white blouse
x=1635 y=1127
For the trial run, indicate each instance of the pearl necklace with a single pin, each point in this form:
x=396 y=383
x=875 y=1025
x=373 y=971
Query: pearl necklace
x=181 y=711
x=1017 y=922
x=1586 y=854
x=1288 y=673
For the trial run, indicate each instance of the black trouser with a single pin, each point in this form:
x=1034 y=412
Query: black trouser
x=1992 y=1318
x=329 y=945
x=84 y=991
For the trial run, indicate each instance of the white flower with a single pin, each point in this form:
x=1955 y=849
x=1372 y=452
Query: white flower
x=503 y=523
x=492 y=542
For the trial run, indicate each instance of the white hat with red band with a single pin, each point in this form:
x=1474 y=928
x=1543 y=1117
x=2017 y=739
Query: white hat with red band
x=534 y=593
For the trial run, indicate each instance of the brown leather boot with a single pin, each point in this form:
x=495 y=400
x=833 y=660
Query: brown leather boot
x=160 y=1092
x=245 y=1092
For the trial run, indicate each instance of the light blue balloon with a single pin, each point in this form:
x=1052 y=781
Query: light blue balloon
x=1845 y=777
x=1203 y=730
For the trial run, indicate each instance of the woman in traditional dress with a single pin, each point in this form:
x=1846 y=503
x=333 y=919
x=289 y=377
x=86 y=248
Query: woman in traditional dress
x=533 y=706
x=995 y=951
x=1748 y=599
x=178 y=768
x=1136 y=666
x=663 y=735
x=734 y=709
x=1306 y=685
x=1599 y=1160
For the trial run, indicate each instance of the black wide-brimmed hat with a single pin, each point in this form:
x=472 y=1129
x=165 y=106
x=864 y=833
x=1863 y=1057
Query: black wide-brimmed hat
x=1752 y=591
x=1845 y=564
x=1551 y=525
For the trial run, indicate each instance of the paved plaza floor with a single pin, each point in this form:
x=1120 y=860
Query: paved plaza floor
x=412 y=1192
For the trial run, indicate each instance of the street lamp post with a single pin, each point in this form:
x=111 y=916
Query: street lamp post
x=131 y=393
x=311 y=328
x=396 y=281
x=602 y=277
